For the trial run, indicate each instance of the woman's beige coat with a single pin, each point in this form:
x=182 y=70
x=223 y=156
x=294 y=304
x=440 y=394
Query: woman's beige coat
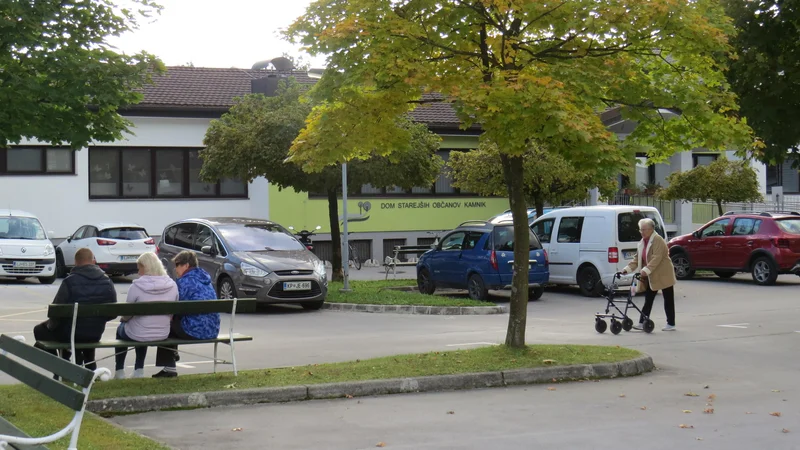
x=659 y=269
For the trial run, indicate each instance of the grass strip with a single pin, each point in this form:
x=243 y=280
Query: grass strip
x=376 y=293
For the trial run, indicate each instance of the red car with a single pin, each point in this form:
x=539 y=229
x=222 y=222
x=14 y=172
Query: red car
x=765 y=244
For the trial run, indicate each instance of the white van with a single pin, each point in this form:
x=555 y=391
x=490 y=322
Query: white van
x=587 y=244
x=25 y=250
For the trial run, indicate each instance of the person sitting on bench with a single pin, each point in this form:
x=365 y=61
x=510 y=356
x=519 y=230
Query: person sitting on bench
x=153 y=285
x=86 y=284
x=194 y=284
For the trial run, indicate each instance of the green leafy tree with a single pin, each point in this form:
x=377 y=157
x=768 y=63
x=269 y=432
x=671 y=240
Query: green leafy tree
x=766 y=74
x=722 y=181
x=548 y=177
x=60 y=82
x=530 y=73
x=253 y=140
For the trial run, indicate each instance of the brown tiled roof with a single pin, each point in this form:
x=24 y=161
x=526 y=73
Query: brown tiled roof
x=213 y=89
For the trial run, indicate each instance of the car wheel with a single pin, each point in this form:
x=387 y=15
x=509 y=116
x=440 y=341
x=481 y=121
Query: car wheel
x=683 y=268
x=313 y=306
x=535 y=293
x=47 y=280
x=61 y=268
x=589 y=282
x=477 y=288
x=226 y=289
x=724 y=274
x=425 y=282
x=764 y=271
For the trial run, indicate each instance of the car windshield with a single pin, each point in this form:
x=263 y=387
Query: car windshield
x=628 y=225
x=259 y=237
x=504 y=239
x=124 y=233
x=21 y=228
x=791 y=226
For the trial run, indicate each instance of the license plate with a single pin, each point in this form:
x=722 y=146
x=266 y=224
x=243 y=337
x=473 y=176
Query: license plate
x=297 y=286
x=628 y=254
x=129 y=258
x=25 y=264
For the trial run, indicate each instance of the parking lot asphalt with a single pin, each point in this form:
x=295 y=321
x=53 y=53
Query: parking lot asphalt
x=733 y=336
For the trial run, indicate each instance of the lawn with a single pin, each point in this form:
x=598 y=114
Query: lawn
x=376 y=293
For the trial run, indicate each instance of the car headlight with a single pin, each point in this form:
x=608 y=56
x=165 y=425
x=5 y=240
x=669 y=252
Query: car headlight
x=253 y=271
x=319 y=269
x=48 y=250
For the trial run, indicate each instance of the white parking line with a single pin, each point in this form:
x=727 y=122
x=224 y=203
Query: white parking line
x=186 y=365
x=735 y=325
x=472 y=343
x=23 y=313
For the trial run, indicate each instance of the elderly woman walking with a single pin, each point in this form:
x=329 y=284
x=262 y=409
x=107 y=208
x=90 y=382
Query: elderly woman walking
x=652 y=261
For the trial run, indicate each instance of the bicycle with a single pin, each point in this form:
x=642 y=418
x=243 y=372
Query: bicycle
x=352 y=255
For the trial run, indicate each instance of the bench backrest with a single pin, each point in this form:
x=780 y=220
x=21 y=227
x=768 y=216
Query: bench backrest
x=60 y=392
x=151 y=308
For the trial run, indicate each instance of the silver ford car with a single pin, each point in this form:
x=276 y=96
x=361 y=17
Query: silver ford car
x=249 y=258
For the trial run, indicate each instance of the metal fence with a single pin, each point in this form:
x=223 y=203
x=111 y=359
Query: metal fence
x=706 y=212
x=665 y=207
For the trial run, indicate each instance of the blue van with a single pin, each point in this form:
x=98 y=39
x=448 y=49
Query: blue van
x=478 y=256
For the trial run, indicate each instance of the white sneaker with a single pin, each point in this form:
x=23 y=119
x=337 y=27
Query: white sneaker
x=638 y=326
x=669 y=328
x=138 y=373
x=119 y=375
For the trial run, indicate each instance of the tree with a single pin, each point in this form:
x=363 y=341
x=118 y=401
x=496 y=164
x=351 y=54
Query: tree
x=766 y=74
x=254 y=137
x=549 y=178
x=530 y=73
x=722 y=181
x=60 y=82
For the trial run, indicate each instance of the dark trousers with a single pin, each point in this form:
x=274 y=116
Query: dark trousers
x=669 y=303
x=84 y=357
x=165 y=355
x=121 y=352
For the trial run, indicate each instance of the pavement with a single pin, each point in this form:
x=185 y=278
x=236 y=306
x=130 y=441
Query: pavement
x=733 y=336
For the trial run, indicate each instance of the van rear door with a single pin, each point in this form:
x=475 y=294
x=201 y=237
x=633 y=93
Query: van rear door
x=628 y=235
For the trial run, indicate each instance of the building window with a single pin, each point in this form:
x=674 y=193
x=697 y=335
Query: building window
x=37 y=161
x=774 y=176
x=704 y=159
x=134 y=172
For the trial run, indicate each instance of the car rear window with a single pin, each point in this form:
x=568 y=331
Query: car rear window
x=259 y=237
x=503 y=239
x=628 y=225
x=124 y=233
x=791 y=226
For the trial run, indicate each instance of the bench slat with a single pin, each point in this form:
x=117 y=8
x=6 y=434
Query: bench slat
x=46 y=385
x=9 y=429
x=152 y=308
x=46 y=361
x=111 y=343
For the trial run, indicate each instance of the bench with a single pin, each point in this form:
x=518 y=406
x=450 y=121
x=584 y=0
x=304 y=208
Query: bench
x=77 y=310
x=69 y=396
x=403 y=250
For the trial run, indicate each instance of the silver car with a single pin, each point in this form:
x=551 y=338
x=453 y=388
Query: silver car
x=249 y=258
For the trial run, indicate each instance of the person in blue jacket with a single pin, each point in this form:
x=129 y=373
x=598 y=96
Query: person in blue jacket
x=194 y=284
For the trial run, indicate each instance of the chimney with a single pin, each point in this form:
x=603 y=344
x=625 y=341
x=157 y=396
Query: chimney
x=267 y=85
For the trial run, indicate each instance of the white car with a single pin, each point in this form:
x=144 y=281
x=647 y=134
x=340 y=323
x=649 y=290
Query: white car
x=116 y=247
x=588 y=245
x=25 y=250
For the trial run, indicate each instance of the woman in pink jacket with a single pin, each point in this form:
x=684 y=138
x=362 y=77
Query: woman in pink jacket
x=153 y=285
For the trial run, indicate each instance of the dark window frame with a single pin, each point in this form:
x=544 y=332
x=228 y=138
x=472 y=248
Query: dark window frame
x=43 y=158
x=579 y=228
x=153 y=177
x=695 y=156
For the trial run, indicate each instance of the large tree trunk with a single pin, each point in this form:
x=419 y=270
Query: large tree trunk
x=336 y=236
x=719 y=207
x=539 y=204
x=518 y=315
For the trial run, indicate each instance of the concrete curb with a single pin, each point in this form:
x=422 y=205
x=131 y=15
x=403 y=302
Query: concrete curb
x=631 y=367
x=418 y=309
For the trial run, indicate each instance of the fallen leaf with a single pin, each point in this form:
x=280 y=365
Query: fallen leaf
x=706 y=387
x=685 y=426
x=348 y=396
x=687 y=411
x=236 y=429
x=712 y=397
x=643 y=408
x=748 y=412
x=380 y=444
x=691 y=394
x=551 y=388
x=230 y=386
x=699 y=438
x=776 y=414
x=785 y=430
x=622 y=395
x=776 y=390
x=548 y=361
x=709 y=410
x=451 y=412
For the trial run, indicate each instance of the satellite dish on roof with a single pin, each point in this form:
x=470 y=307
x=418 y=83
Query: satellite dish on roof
x=281 y=64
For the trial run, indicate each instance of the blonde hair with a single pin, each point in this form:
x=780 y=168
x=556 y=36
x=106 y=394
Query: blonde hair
x=151 y=265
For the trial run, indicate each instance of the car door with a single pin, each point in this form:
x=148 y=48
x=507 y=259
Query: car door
x=211 y=264
x=473 y=257
x=565 y=250
x=445 y=257
x=183 y=239
x=709 y=249
x=742 y=241
x=70 y=246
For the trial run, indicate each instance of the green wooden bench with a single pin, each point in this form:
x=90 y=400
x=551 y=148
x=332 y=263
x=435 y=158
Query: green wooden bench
x=77 y=310
x=63 y=393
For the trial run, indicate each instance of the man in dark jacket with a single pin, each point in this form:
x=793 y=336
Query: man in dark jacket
x=86 y=284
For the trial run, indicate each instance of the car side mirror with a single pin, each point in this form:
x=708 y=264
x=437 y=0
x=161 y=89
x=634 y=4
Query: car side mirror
x=208 y=250
x=696 y=234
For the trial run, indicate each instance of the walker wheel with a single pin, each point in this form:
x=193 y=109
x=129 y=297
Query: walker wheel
x=649 y=326
x=600 y=325
x=627 y=324
x=616 y=326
